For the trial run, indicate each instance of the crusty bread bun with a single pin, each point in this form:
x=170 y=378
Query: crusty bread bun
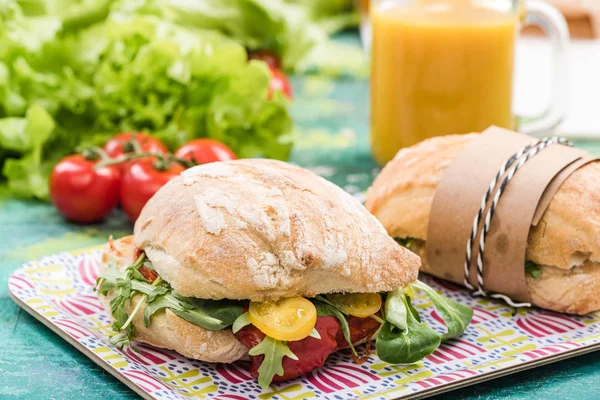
x=256 y=230
x=168 y=330
x=565 y=243
x=265 y=230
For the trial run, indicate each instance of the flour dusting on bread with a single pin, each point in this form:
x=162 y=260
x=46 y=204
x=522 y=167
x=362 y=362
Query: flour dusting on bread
x=278 y=230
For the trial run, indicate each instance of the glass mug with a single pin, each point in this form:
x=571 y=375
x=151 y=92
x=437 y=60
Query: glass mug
x=446 y=66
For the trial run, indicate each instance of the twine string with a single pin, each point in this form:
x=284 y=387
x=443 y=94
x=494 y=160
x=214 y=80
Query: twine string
x=508 y=169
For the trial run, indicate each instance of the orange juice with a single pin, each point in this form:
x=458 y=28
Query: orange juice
x=437 y=69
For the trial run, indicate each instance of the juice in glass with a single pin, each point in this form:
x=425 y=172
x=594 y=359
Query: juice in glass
x=438 y=68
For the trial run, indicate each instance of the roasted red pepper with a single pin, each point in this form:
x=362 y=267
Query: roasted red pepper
x=311 y=352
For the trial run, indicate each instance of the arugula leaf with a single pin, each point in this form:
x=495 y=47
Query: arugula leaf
x=209 y=314
x=225 y=310
x=532 y=269
x=120 y=339
x=315 y=334
x=187 y=311
x=240 y=322
x=456 y=316
x=118 y=305
x=400 y=346
x=149 y=290
x=325 y=308
x=273 y=351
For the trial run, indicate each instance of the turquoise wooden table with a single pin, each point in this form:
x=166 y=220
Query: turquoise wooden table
x=332 y=140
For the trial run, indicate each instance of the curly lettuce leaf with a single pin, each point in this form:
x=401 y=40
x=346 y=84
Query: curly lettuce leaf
x=133 y=72
x=332 y=15
x=285 y=29
x=297 y=31
x=27 y=175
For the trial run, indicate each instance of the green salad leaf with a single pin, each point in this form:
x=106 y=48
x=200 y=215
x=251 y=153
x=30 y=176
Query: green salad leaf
x=403 y=338
x=27 y=136
x=456 y=316
x=125 y=284
x=396 y=310
x=187 y=311
x=324 y=308
x=408 y=346
x=273 y=350
x=407 y=242
x=87 y=73
x=282 y=28
x=240 y=322
x=315 y=333
x=332 y=15
x=227 y=311
x=532 y=269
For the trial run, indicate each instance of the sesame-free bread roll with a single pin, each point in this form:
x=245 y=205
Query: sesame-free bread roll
x=254 y=230
x=168 y=330
x=265 y=230
x=565 y=244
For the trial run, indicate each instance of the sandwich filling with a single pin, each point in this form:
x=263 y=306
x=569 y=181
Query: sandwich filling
x=418 y=246
x=292 y=336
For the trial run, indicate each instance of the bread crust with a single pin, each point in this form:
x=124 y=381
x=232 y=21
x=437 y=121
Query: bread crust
x=565 y=242
x=167 y=330
x=264 y=230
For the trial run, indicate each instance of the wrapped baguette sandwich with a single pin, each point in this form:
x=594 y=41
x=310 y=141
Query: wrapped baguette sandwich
x=562 y=267
x=261 y=259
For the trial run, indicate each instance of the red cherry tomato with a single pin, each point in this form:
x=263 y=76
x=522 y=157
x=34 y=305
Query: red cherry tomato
x=279 y=82
x=202 y=151
x=82 y=193
x=122 y=144
x=264 y=55
x=140 y=180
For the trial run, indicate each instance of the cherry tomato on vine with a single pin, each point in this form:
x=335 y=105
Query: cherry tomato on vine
x=141 y=179
x=279 y=82
x=123 y=144
x=202 y=151
x=264 y=55
x=82 y=193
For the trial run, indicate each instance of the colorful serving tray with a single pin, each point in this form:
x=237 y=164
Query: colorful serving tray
x=58 y=291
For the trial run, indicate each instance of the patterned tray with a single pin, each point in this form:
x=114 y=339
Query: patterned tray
x=57 y=290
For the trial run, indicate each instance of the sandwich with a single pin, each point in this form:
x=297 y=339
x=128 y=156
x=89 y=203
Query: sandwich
x=562 y=266
x=263 y=260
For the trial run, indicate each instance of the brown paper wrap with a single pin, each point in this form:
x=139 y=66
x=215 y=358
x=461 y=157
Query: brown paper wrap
x=458 y=198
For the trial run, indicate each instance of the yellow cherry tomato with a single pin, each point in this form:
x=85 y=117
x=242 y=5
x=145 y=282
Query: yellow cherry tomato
x=356 y=304
x=287 y=319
